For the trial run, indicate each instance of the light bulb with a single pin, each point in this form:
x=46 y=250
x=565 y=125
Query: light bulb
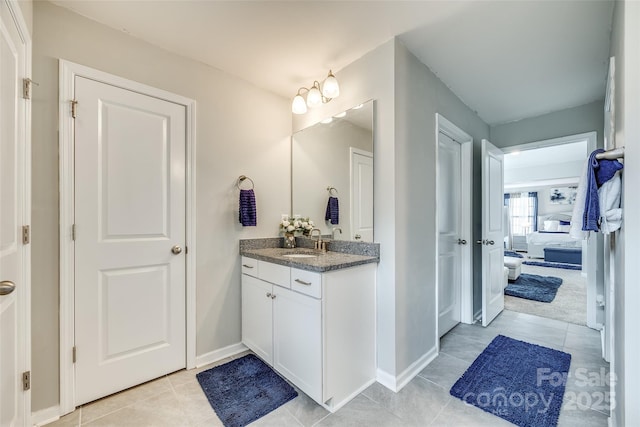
x=326 y=121
x=330 y=87
x=314 y=97
x=298 y=106
x=340 y=115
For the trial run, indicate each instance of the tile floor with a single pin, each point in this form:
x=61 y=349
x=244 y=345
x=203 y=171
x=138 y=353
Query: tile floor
x=176 y=400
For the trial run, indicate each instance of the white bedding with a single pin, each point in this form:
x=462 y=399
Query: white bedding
x=536 y=242
x=548 y=238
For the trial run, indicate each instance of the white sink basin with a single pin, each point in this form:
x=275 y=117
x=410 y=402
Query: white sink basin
x=299 y=255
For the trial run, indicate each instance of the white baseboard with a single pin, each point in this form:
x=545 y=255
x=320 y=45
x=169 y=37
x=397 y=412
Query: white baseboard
x=215 y=355
x=396 y=384
x=386 y=379
x=45 y=416
x=415 y=368
x=347 y=399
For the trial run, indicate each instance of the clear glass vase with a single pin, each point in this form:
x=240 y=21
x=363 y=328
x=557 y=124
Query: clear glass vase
x=289 y=241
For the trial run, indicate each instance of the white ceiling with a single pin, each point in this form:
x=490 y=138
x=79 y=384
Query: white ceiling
x=555 y=154
x=506 y=60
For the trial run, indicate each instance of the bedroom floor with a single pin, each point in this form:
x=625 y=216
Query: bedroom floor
x=177 y=400
x=570 y=303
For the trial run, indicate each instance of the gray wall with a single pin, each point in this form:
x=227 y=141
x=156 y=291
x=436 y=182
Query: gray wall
x=419 y=95
x=572 y=121
x=240 y=130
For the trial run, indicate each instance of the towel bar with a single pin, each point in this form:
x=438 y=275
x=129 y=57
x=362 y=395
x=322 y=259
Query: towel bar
x=616 y=153
x=241 y=178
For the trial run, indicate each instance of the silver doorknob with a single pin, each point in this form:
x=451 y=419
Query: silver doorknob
x=176 y=249
x=358 y=237
x=462 y=242
x=6 y=287
x=490 y=242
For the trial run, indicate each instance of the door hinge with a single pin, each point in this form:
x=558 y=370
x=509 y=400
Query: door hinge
x=26 y=380
x=26 y=234
x=73 y=232
x=74 y=103
x=26 y=87
x=73 y=354
x=186 y=250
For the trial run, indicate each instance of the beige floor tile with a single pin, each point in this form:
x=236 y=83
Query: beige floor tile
x=112 y=403
x=162 y=410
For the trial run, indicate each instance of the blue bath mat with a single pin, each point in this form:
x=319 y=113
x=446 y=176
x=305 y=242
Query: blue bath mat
x=534 y=287
x=513 y=254
x=520 y=382
x=562 y=265
x=244 y=390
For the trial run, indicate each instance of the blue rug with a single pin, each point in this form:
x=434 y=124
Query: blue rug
x=534 y=287
x=244 y=390
x=520 y=382
x=554 y=265
x=513 y=254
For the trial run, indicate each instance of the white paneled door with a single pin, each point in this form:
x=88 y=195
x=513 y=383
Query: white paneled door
x=130 y=236
x=492 y=232
x=14 y=334
x=362 y=195
x=449 y=232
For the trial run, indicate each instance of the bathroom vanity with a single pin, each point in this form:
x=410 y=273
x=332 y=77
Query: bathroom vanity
x=311 y=316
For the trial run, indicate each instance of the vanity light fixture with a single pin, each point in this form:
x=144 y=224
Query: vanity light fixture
x=316 y=95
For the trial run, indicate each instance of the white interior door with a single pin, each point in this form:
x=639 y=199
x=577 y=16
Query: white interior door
x=492 y=232
x=130 y=233
x=449 y=232
x=14 y=334
x=362 y=195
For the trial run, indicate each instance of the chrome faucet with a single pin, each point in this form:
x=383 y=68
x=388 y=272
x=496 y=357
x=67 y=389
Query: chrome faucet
x=333 y=232
x=319 y=243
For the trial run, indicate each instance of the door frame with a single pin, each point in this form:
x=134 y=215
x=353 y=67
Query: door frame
x=466 y=277
x=68 y=72
x=24 y=173
x=595 y=243
x=352 y=151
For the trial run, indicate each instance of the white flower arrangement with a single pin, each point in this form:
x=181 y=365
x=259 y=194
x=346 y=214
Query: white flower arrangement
x=291 y=225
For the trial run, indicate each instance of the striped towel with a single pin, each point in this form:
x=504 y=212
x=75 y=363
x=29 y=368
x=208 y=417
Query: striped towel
x=333 y=212
x=248 y=212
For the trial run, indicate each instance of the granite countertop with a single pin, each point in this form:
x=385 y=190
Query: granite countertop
x=326 y=261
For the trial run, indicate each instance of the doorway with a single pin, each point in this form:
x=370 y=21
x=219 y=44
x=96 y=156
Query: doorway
x=540 y=183
x=127 y=225
x=453 y=220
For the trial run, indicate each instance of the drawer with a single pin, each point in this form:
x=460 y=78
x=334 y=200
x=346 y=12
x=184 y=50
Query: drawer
x=274 y=273
x=306 y=282
x=249 y=266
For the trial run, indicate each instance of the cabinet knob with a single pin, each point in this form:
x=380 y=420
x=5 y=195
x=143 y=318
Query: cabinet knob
x=268 y=294
x=273 y=296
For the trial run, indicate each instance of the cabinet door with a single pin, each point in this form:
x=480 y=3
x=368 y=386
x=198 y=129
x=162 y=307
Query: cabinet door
x=297 y=340
x=257 y=320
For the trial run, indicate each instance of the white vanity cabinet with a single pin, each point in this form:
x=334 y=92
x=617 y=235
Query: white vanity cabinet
x=316 y=329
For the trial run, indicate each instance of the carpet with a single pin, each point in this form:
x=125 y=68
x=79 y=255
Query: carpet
x=534 y=287
x=520 y=382
x=570 y=303
x=244 y=390
x=563 y=265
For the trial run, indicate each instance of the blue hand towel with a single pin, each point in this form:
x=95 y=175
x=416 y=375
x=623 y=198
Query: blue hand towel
x=333 y=212
x=591 y=203
x=248 y=212
x=606 y=170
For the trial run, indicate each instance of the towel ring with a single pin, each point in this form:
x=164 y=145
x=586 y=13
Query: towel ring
x=241 y=178
x=330 y=189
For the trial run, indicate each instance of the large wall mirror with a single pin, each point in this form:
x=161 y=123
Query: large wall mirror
x=334 y=159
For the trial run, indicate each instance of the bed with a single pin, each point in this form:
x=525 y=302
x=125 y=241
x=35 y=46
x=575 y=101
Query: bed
x=553 y=233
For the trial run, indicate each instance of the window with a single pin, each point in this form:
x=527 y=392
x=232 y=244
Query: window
x=523 y=212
